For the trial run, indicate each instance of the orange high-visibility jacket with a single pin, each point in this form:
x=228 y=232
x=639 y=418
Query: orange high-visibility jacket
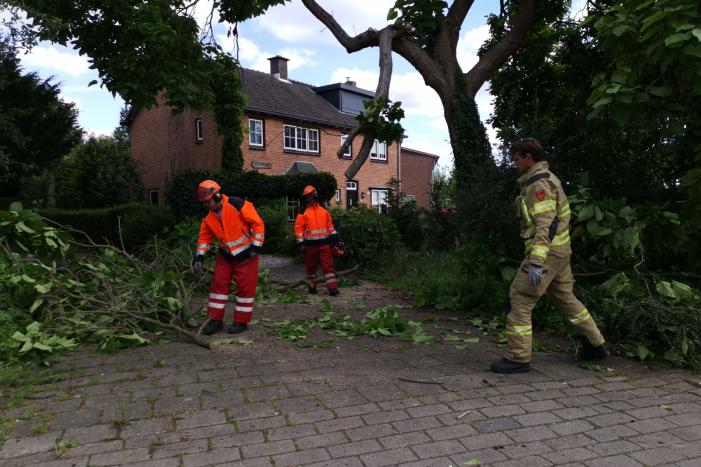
x=314 y=227
x=239 y=228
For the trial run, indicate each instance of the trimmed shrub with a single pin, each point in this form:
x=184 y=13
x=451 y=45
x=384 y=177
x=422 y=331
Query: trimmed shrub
x=182 y=191
x=279 y=233
x=370 y=237
x=138 y=223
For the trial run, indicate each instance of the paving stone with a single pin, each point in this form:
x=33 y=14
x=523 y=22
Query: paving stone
x=176 y=449
x=530 y=461
x=289 y=432
x=416 y=424
x=569 y=455
x=535 y=433
x=655 y=440
x=612 y=433
x=390 y=457
x=267 y=393
x=651 y=425
x=685 y=419
x=95 y=448
x=146 y=427
x=342 y=398
x=262 y=423
x=404 y=439
x=348 y=462
x=310 y=417
x=436 y=461
x=438 y=448
x=200 y=418
x=490 y=440
x=484 y=456
x=614 y=461
x=688 y=433
x=573 y=413
x=354 y=448
x=221 y=456
x=78 y=462
x=540 y=418
x=502 y=411
x=496 y=424
x=370 y=432
x=322 y=440
x=125 y=456
x=385 y=417
x=610 y=419
x=569 y=442
x=612 y=448
x=356 y=410
x=237 y=439
x=267 y=449
x=451 y=432
x=658 y=456
x=535 y=448
x=90 y=434
x=571 y=427
x=23 y=447
x=338 y=424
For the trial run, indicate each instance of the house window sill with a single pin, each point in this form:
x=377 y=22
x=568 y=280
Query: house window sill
x=302 y=153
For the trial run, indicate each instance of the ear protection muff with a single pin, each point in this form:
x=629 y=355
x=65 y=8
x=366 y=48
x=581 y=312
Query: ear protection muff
x=216 y=197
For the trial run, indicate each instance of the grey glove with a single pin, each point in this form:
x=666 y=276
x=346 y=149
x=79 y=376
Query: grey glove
x=198 y=261
x=535 y=275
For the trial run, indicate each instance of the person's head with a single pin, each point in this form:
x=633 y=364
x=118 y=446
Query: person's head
x=208 y=193
x=309 y=195
x=525 y=153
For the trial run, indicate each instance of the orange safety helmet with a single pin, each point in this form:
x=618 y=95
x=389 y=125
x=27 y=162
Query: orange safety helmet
x=309 y=190
x=207 y=189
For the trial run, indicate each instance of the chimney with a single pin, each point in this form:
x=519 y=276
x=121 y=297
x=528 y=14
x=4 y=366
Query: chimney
x=349 y=82
x=278 y=67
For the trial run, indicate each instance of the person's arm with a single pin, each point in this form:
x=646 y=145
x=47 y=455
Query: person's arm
x=204 y=239
x=250 y=216
x=300 y=226
x=333 y=235
x=541 y=200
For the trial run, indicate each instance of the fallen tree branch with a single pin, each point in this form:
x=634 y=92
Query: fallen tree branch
x=291 y=285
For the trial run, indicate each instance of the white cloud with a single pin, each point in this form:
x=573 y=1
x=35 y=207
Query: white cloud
x=97 y=132
x=292 y=22
x=56 y=58
x=251 y=55
x=468 y=45
x=71 y=99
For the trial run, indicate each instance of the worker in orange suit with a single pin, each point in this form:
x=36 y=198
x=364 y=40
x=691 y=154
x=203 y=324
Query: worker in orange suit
x=315 y=234
x=235 y=223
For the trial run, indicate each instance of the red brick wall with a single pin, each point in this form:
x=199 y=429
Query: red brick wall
x=164 y=143
x=417 y=175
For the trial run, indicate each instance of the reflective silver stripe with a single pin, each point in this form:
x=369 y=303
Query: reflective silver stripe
x=256 y=243
x=244 y=309
x=316 y=231
x=245 y=299
x=299 y=241
x=239 y=250
x=218 y=296
x=216 y=305
x=318 y=237
x=257 y=235
x=330 y=275
x=540 y=251
x=202 y=245
x=580 y=317
x=561 y=238
x=330 y=281
x=519 y=330
x=236 y=242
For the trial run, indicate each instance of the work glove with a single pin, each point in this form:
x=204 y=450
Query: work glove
x=255 y=250
x=198 y=261
x=535 y=275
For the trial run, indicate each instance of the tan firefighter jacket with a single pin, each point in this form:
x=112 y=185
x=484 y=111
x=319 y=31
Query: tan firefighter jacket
x=544 y=213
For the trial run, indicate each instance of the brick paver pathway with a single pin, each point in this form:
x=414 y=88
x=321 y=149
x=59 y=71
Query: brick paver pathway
x=361 y=402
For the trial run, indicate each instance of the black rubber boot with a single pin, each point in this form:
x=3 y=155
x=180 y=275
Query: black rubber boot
x=312 y=290
x=237 y=328
x=507 y=366
x=212 y=327
x=333 y=292
x=589 y=353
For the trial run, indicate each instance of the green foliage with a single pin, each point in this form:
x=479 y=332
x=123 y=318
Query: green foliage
x=36 y=127
x=279 y=233
x=35 y=341
x=257 y=187
x=370 y=237
x=380 y=119
x=96 y=174
x=422 y=17
x=138 y=223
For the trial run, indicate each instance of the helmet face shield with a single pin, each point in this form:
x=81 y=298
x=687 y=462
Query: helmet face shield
x=206 y=190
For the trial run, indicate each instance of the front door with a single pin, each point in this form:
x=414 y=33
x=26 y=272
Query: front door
x=351 y=194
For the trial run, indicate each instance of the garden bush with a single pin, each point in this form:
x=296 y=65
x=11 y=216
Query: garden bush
x=259 y=188
x=370 y=238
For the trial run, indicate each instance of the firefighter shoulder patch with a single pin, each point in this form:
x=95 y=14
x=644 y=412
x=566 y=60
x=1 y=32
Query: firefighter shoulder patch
x=540 y=195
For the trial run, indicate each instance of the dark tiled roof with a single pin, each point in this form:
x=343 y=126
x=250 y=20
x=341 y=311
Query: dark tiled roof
x=294 y=100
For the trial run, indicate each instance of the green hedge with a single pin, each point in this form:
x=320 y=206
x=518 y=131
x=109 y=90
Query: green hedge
x=370 y=238
x=139 y=222
x=182 y=192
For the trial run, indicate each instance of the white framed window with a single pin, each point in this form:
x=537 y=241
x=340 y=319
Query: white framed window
x=153 y=197
x=255 y=132
x=338 y=196
x=301 y=139
x=379 y=151
x=199 y=130
x=349 y=150
x=292 y=209
x=351 y=185
x=378 y=198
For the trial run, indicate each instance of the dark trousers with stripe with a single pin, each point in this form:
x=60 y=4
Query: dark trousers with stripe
x=245 y=274
x=312 y=256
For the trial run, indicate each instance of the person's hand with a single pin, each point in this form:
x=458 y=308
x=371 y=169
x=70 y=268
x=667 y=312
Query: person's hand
x=535 y=274
x=198 y=262
x=255 y=250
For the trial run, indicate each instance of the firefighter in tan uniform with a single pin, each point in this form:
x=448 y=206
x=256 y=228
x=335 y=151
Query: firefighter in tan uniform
x=544 y=213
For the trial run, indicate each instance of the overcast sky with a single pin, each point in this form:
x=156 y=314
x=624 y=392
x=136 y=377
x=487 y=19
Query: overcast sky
x=315 y=58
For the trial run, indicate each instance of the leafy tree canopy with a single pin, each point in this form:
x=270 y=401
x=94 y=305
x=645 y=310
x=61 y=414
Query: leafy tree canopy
x=36 y=127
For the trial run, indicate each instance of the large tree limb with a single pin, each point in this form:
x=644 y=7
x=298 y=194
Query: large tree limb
x=382 y=92
x=363 y=40
x=502 y=50
x=291 y=285
x=456 y=15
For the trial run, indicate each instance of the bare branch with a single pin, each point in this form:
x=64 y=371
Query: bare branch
x=347 y=143
x=363 y=40
x=291 y=285
x=382 y=92
x=456 y=15
x=502 y=50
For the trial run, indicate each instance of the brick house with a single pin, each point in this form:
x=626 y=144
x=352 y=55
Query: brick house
x=290 y=127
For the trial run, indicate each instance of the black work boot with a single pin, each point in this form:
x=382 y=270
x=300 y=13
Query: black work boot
x=236 y=328
x=333 y=292
x=507 y=366
x=589 y=353
x=212 y=327
x=312 y=290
